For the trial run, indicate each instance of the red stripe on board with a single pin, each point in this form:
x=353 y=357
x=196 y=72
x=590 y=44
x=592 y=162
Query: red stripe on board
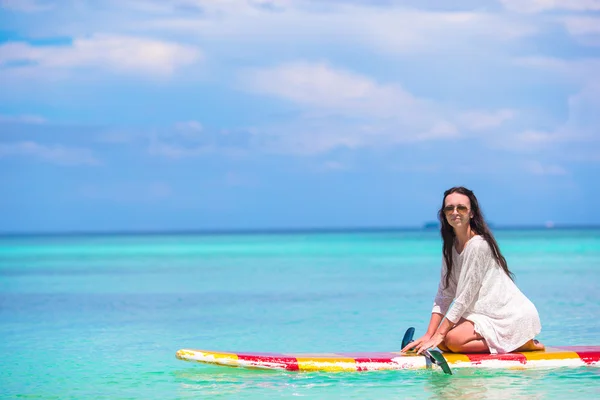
x=284 y=362
x=367 y=360
x=478 y=358
x=588 y=354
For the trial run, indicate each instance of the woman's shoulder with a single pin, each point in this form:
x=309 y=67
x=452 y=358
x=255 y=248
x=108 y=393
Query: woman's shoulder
x=478 y=244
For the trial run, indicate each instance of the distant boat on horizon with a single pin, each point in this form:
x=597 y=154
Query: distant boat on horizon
x=436 y=225
x=431 y=225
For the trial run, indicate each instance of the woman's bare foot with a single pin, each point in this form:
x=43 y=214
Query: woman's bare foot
x=532 y=345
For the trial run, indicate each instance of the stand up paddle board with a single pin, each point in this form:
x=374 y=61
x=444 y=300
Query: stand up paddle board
x=562 y=356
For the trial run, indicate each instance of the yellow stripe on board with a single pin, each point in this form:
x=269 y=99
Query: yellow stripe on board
x=453 y=358
x=221 y=356
x=550 y=354
x=326 y=364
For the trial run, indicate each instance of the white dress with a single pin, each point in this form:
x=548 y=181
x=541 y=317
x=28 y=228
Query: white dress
x=485 y=295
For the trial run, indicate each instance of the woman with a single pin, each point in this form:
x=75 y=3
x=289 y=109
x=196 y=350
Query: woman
x=489 y=313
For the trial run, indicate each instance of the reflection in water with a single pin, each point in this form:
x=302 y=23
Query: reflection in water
x=514 y=384
x=215 y=381
x=464 y=384
x=474 y=384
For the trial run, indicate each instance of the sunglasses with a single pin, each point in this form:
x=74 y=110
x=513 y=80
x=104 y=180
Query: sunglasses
x=462 y=209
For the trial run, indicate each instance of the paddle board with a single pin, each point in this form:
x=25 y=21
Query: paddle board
x=562 y=356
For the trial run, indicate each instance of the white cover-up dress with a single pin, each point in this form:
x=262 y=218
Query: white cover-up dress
x=485 y=295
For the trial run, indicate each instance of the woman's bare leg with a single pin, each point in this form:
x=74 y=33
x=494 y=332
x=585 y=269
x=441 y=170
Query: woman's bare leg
x=463 y=339
x=443 y=347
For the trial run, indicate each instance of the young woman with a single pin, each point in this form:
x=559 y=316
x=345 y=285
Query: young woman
x=489 y=313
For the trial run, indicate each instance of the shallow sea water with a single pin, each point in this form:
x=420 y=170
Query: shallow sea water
x=102 y=316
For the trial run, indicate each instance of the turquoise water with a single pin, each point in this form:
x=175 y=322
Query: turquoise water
x=102 y=316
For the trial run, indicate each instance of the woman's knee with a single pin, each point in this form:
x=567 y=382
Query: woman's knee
x=453 y=342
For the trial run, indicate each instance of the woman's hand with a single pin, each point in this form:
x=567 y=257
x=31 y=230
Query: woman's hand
x=416 y=343
x=432 y=342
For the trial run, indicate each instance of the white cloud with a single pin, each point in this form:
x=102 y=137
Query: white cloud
x=391 y=28
x=321 y=86
x=534 y=138
x=582 y=25
x=584 y=115
x=339 y=107
x=586 y=30
x=56 y=154
x=305 y=143
x=190 y=130
x=24 y=118
x=483 y=120
x=583 y=106
x=572 y=139
x=533 y=6
x=529 y=141
x=345 y=109
x=118 y=53
x=356 y=111
x=537 y=168
x=578 y=70
x=402 y=31
x=189 y=126
x=27 y=6
x=441 y=129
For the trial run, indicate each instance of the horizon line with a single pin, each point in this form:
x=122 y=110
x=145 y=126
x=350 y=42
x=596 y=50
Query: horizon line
x=426 y=227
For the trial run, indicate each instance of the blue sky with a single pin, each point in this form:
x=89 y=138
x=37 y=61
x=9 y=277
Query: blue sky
x=257 y=114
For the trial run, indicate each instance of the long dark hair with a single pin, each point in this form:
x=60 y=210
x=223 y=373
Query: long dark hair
x=478 y=225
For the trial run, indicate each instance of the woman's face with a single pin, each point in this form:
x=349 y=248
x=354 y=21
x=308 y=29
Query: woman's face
x=457 y=209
